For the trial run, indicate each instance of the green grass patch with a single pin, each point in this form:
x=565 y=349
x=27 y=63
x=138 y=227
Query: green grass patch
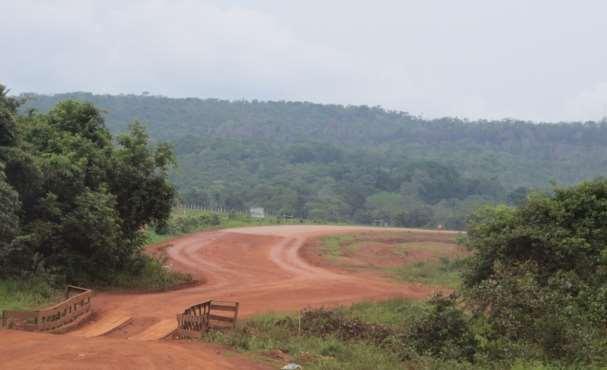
x=27 y=294
x=444 y=272
x=335 y=245
x=403 y=249
x=152 y=275
x=394 y=312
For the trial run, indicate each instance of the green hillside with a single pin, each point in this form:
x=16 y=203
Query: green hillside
x=356 y=163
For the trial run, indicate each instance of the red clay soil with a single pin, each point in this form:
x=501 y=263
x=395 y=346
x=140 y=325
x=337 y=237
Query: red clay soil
x=372 y=252
x=28 y=351
x=260 y=267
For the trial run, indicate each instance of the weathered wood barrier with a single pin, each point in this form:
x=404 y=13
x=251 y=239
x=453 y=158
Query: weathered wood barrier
x=196 y=320
x=56 y=319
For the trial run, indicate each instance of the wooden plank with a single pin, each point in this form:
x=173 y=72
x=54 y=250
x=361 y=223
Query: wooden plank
x=221 y=318
x=159 y=330
x=220 y=307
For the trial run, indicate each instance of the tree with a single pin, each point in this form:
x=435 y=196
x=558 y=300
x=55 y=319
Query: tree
x=9 y=219
x=416 y=217
x=139 y=181
x=539 y=271
x=76 y=201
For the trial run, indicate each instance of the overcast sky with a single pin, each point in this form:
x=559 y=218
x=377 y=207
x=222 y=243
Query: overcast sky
x=529 y=59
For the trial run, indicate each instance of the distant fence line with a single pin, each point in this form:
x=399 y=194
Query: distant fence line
x=220 y=210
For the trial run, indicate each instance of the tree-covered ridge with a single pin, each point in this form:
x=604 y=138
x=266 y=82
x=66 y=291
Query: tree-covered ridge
x=353 y=162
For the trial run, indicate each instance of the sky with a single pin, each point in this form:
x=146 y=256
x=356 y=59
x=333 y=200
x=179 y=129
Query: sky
x=541 y=60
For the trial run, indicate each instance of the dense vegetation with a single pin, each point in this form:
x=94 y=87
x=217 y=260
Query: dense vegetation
x=534 y=296
x=73 y=199
x=538 y=274
x=360 y=164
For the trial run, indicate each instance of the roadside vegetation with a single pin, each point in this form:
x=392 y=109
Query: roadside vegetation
x=74 y=200
x=392 y=335
x=27 y=294
x=446 y=272
x=533 y=295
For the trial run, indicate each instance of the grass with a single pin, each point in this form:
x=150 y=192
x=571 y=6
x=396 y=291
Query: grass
x=394 y=312
x=276 y=340
x=152 y=276
x=333 y=246
x=442 y=272
x=266 y=335
x=27 y=294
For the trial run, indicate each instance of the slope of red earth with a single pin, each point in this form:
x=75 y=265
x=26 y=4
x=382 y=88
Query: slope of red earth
x=373 y=252
x=263 y=268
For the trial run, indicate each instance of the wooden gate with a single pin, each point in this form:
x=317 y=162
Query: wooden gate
x=56 y=319
x=196 y=320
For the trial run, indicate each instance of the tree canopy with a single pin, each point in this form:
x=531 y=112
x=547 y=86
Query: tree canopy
x=74 y=201
x=335 y=162
x=539 y=271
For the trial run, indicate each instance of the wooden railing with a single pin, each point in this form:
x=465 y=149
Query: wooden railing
x=56 y=319
x=196 y=320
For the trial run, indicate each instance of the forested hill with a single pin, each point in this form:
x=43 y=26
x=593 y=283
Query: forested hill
x=352 y=162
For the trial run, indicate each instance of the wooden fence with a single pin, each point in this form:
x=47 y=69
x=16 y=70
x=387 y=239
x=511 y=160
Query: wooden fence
x=196 y=320
x=56 y=319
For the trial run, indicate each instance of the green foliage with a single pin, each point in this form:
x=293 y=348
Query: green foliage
x=26 y=293
x=139 y=181
x=271 y=333
x=539 y=273
x=416 y=217
x=445 y=272
x=9 y=220
x=395 y=334
x=146 y=274
x=73 y=201
x=187 y=223
x=444 y=333
x=395 y=313
x=353 y=163
x=333 y=245
x=8 y=107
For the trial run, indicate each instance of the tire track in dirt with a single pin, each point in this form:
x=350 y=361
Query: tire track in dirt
x=260 y=267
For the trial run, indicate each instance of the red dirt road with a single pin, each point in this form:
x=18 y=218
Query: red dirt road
x=260 y=267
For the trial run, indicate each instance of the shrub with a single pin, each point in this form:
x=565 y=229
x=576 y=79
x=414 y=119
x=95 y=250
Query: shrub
x=444 y=333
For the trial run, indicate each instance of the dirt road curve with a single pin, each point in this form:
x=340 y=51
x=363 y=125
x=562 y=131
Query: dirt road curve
x=260 y=267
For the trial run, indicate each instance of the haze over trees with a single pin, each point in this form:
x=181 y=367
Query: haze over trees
x=73 y=198
x=356 y=163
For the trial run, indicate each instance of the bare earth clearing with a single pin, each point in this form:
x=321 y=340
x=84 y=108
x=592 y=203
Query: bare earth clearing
x=264 y=268
x=371 y=252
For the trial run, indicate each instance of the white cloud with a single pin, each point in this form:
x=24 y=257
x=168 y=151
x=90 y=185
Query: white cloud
x=470 y=58
x=590 y=104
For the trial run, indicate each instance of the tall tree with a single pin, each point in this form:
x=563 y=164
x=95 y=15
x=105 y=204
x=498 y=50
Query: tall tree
x=84 y=198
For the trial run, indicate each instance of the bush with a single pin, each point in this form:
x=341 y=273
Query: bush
x=322 y=322
x=538 y=275
x=27 y=293
x=147 y=274
x=444 y=333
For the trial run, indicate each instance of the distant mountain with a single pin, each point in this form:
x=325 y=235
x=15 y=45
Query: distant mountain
x=352 y=162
